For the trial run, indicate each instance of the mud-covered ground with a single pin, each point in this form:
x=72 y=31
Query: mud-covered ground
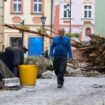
x=76 y=91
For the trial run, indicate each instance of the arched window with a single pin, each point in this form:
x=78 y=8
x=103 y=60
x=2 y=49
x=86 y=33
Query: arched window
x=88 y=31
x=17 y=6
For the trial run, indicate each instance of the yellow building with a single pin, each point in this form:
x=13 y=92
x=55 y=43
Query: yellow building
x=29 y=11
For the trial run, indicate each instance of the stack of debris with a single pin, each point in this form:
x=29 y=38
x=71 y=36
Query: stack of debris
x=79 y=68
x=7 y=78
x=93 y=52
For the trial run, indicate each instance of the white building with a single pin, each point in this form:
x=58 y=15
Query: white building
x=30 y=11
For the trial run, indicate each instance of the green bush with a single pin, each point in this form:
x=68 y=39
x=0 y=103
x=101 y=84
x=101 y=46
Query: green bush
x=76 y=35
x=72 y=35
x=69 y=34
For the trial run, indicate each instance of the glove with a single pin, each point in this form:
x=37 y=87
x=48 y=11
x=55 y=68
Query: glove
x=51 y=61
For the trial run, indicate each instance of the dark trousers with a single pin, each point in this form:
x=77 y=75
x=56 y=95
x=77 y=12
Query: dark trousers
x=59 y=65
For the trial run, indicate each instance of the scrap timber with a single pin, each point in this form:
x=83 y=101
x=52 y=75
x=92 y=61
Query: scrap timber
x=94 y=52
x=16 y=27
x=27 y=30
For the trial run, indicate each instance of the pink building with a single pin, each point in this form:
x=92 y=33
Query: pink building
x=76 y=16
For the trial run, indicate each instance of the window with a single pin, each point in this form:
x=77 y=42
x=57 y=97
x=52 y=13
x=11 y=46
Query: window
x=37 y=6
x=67 y=12
x=87 y=11
x=17 y=6
x=15 y=40
x=88 y=31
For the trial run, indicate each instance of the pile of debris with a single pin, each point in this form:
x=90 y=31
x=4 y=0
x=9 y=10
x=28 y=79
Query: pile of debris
x=79 y=69
x=7 y=78
x=93 y=52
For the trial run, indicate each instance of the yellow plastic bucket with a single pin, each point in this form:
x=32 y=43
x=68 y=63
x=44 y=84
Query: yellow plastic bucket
x=28 y=75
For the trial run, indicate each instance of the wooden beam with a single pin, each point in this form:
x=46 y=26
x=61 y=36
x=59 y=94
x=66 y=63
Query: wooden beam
x=27 y=30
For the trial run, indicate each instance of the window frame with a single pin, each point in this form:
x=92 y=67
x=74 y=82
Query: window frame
x=15 y=40
x=88 y=11
x=17 y=3
x=67 y=11
x=38 y=2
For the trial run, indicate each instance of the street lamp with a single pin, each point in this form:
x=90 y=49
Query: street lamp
x=52 y=3
x=70 y=16
x=22 y=24
x=43 y=20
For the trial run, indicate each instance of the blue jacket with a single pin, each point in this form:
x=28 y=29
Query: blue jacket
x=61 y=47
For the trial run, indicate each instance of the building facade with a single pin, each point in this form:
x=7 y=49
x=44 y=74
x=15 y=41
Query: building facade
x=76 y=16
x=29 y=12
x=100 y=17
x=1 y=24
